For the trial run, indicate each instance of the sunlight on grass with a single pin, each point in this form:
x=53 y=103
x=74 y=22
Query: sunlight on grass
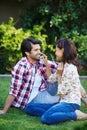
x=16 y=119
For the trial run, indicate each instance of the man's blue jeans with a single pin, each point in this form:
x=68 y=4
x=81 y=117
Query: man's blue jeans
x=43 y=101
x=37 y=109
x=48 y=95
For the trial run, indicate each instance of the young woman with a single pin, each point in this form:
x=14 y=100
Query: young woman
x=69 y=86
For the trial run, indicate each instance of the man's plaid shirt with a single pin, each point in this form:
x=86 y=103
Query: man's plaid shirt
x=23 y=75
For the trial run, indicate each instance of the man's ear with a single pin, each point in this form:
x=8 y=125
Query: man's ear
x=27 y=54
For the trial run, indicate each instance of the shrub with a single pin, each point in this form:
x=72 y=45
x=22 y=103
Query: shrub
x=62 y=19
x=10 y=41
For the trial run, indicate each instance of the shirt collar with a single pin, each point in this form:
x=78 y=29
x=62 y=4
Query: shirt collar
x=32 y=64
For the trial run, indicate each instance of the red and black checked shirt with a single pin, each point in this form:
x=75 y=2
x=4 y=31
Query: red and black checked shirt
x=23 y=75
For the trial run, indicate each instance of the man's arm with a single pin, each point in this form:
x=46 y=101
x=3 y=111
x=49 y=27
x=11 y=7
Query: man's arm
x=8 y=103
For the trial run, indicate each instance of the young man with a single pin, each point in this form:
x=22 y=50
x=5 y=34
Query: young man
x=29 y=79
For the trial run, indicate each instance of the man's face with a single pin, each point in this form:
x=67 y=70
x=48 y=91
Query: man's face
x=34 y=55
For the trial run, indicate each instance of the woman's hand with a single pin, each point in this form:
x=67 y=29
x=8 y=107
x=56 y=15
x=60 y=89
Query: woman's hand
x=44 y=58
x=59 y=72
x=83 y=92
x=60 y=69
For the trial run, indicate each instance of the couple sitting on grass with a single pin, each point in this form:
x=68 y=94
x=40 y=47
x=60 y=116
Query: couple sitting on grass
x=44 y=88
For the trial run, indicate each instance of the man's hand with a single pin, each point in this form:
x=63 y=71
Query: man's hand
x=2 y=112
x=8 y=103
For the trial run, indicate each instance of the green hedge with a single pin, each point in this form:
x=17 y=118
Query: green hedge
x=62 y=19
x=10 y=41
x=11 y=38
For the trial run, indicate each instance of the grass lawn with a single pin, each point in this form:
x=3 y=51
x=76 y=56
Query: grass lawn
x=16 y=119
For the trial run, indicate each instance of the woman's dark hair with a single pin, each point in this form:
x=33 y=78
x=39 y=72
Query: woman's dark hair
x=70 y=53
x=26 y=45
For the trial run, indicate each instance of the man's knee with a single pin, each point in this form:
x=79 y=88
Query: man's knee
x=28 y=109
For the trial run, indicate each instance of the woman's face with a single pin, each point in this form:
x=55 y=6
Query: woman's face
x=59 y=53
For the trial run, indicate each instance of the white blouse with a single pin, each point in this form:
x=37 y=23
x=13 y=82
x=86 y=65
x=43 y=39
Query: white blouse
x=70 y=84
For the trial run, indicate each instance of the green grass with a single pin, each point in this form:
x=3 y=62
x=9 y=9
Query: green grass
x=16 y=119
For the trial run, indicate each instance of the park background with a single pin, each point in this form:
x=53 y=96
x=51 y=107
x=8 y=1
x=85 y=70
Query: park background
x=46 y=20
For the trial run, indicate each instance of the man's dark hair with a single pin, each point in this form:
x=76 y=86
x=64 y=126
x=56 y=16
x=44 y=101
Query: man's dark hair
x=26 y=45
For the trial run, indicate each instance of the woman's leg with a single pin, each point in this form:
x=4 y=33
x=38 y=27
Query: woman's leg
x=37 y=109
x=59 y=113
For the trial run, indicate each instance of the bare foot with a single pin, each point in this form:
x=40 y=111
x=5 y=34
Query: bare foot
x=80 y=115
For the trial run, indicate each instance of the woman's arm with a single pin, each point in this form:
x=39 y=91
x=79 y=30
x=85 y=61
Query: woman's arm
x=59 y=72
x=48 y=70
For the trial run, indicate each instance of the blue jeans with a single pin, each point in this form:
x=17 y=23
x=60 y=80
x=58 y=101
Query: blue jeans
x=52 y=89
x=37 y=109
x=48 y=95
x=59 y=113
x=43 y=101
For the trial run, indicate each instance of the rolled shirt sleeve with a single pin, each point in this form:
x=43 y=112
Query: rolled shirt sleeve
x=17 y=75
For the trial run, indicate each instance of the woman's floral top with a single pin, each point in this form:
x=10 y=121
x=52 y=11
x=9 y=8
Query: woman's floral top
x=70 y=84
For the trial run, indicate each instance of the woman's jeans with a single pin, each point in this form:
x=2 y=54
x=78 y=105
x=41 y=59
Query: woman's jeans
x=59 y=113
x=53 y=113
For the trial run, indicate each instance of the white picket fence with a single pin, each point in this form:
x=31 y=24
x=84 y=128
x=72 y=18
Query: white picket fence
x=5 y=75
x=9 y=75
